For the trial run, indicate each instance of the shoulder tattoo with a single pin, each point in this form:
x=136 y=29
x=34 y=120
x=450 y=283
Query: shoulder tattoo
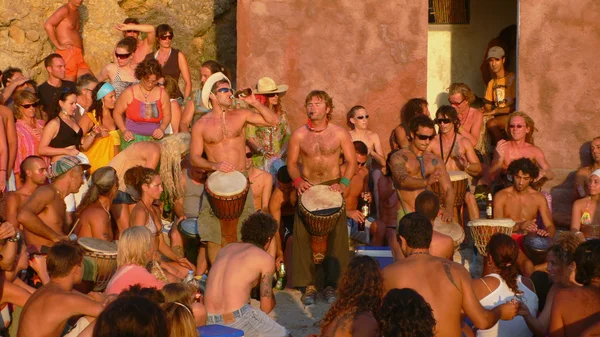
x=434 y=161
x=266 y=283
x=448 y=272
x=398 y=167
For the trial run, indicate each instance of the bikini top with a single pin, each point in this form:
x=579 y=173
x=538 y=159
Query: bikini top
x=586 y=217
x=66 y=136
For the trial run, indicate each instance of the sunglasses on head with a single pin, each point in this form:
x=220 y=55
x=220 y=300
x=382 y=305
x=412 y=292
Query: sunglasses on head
x=27 y=106
x=248 y=155
x=166 y=37
x=122 y=56
x=516 y=126
x=425 y=137
x=439 y=121
x=224 y=90
x=362 y=117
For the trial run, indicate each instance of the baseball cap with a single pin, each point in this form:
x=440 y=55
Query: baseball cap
x=64 y=165
x=495 y=52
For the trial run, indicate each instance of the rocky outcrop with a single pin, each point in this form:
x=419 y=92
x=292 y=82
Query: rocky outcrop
x=198 y=25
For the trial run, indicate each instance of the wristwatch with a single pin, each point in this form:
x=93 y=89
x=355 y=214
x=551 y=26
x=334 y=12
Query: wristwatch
x=15 y=238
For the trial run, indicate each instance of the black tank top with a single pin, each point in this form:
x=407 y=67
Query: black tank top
x=66 y=136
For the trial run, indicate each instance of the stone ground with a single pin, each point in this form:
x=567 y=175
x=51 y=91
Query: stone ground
x=303 y=320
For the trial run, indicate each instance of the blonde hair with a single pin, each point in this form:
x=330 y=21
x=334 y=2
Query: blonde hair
x=463 y=89
x=133 y=247
x=19 y=98
x=172 y=150
x=528 y=121
x=179 y=292
x=180 y=320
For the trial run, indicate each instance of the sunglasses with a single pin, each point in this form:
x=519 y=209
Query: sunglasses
x=362 y=117
x=455 y=103
x=131 y=31
x=361 y=164
x=248 y=155
x=271 y=95
x=166 y=37
x=160 y=84
x=439 y=121
x=425 y=137
x=516 y=126
x=27 y=106
x=224 y=90
x=122 y=56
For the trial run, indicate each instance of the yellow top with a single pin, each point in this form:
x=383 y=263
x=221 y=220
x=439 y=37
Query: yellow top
x=103 y=149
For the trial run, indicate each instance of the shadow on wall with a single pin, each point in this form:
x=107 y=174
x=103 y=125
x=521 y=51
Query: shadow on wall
x=225 y=20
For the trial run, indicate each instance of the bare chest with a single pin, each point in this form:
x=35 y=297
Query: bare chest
x=320 y=144
x=219 y=130
x=420 y=167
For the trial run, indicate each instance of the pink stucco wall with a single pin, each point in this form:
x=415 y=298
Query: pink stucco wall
x=372 y=53
x=559 y=46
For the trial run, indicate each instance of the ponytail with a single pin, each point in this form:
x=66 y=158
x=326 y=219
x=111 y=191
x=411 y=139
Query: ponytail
x=504 y=252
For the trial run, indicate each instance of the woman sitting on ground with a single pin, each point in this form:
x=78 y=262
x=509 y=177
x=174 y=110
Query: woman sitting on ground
x=184 y=294
x=360 y=293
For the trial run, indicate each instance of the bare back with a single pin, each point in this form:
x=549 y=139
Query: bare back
x=236 y=270
x=94 y=222
x=574 y=310
x=146 y=154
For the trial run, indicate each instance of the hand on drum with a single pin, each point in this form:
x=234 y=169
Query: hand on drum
x=338 y=188
x=225 y=166
x=7 y=230
x=528 y=226
x=356 y=215
x=434 y=177
x=303 y=186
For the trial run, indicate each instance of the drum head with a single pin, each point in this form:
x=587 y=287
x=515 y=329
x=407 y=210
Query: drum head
x=320 y=200
x=226 y=184
x=97 y=245
x=189 y=226
x=451 y=229
x=536 y=242
x=491 y=222
x=458 y=175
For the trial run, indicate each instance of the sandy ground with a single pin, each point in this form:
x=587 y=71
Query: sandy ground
x=303 y=320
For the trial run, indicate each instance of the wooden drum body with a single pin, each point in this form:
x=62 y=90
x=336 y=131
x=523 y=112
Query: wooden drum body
x=460 y=182
x=452 y=229
x=104 y=255
x=320 y=209
x=483 y=229
x=536 y=247
x=191 y=239
x=226 y=194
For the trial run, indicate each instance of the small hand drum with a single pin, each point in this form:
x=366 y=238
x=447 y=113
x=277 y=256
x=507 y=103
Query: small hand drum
x=451 y=229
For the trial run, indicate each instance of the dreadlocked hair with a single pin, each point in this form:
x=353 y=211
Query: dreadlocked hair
x=172 y=150
x=360 y=290
x=103 y=181
x=504 y=252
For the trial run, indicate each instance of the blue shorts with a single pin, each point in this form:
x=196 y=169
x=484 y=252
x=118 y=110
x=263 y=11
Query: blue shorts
x=123 y=198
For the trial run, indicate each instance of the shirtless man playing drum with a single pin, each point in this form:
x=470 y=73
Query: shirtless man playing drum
x=415 y=169
x=239 y=267
x=63 y=28
x=220 y=134
x=520 y=144
x=448 y=287
x=522 y=203
x=318 y=145
x=43 y=215
x=458 y=152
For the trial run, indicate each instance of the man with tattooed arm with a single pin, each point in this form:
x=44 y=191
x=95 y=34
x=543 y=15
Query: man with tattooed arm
x=415 y=169
x=444 y=284
x=238 y=268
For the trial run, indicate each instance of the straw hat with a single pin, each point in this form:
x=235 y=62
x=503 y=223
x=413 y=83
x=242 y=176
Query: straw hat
x=208 y=85
x=267 y=85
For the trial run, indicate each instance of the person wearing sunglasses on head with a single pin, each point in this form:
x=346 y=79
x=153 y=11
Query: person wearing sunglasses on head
x=414 y=169
x=29 y=129
x=520 y=129
x=456 y=151
x=121 y=72
x=172 y=61
x=357 y=196
x=131 y=27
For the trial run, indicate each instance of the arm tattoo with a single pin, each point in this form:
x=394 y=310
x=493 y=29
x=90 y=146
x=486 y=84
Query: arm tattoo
x=398 y=166
x=448 y=272
x=265 y=285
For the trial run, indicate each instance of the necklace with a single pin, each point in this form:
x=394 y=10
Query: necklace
x=145 y=95
x=310 y=126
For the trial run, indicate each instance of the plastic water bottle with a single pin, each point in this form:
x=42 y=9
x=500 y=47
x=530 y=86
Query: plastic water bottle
x=190 y=277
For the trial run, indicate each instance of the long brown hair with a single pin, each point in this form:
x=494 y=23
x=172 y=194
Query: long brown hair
x=504 y=252
x=360 y=290
x=103 y=181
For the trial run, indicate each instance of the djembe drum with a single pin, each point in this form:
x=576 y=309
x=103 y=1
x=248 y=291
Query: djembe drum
x=483 y=229
x=452 y=229
x=190 y=237
x=460 y=181
x=320 y=209
x=536 y=247
x=226 y=194
x=104 y=255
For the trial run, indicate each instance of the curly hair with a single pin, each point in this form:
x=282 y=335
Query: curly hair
x=504 y=252
x=138 y=176
x=525 y=165
x=528 y=121
x=587 y=260
x=413 y=107
x=564 y=247
x=416 y=229
x=172 y=149
x=103 y=181
x=148 y=67
x=132 y=316
x=360 y=290
x=405 y=313
x=258 y=228
x=463 y=89
x=150 y=293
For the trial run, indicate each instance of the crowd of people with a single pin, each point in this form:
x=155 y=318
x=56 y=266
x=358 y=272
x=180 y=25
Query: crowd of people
x=137 y=206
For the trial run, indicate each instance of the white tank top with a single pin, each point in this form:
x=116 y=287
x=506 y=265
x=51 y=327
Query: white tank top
x=517 y=326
